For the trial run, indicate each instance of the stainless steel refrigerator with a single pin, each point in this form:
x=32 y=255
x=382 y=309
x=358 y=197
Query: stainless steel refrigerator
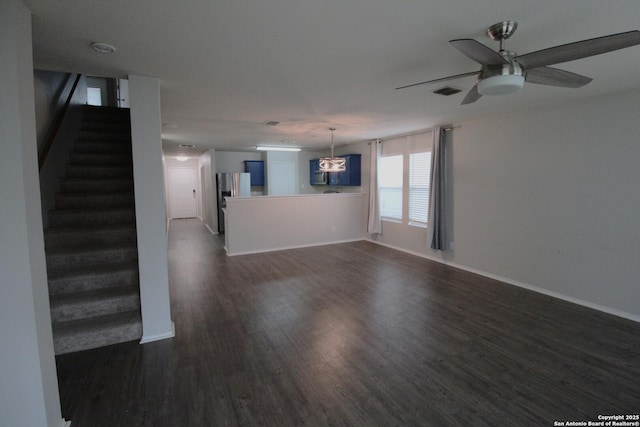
x=230 y=185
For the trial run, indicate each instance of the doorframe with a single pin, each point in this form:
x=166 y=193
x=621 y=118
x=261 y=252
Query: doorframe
x=195 y=169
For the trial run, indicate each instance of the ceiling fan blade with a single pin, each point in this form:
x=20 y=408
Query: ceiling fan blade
x=578 y=50
x=443 y=79
x=555 y=77
x=478 y=52
x=472 y=96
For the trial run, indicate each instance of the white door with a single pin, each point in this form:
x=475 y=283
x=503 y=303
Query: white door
x=282 y=179
x=182 y=192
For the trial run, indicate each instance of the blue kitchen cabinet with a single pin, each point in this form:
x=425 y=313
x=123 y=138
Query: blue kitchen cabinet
x=256 y=169
x=314 y=166
x=351 y=176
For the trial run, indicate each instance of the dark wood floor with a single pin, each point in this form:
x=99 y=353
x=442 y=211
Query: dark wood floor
x=353 y=335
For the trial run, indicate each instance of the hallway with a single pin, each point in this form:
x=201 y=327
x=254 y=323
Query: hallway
x=353 y=334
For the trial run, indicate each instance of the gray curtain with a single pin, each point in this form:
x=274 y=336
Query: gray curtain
x=374 y=226
x=437 y=193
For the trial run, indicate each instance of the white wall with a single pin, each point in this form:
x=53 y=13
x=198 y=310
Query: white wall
x=210 y=212
x=258 y=224
x=29 y=386
x=150 y=207
x=547 y=198
x=304 y=184
x=233 y=161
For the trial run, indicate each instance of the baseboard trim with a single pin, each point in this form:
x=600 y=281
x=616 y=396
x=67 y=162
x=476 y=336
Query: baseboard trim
x=508 y=281
x=284 y=248
x=209 y=228
x=161 y=336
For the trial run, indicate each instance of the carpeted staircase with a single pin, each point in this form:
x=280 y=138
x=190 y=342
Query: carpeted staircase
x=91 y=240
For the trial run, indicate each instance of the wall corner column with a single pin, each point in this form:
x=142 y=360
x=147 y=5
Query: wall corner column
x=151 y=225
x=29 y=387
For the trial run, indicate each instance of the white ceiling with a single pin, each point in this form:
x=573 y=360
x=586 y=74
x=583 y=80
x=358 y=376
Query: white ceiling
x=227 y=66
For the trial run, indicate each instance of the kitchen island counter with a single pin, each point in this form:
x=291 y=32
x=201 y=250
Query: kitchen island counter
x=268 y=223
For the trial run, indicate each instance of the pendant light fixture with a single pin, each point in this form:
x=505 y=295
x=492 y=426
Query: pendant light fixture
x=333 y=164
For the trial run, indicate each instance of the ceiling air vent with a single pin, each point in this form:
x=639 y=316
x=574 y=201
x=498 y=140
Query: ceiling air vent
x=447 y=91
x=271 y=123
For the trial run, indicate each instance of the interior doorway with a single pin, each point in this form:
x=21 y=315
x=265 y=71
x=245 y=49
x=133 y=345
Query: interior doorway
x=183 y=202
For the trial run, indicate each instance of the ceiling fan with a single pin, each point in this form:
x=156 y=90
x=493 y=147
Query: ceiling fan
x=504 y=72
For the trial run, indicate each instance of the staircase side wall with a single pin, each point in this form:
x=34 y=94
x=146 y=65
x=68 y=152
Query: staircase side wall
x=51 y=90
x=29 y=387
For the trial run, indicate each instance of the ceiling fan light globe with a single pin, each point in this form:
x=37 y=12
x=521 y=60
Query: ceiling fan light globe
x=500 y=85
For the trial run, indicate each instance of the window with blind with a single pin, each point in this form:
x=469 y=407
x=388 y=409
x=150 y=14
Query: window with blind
x=419 y=178
x=390 y=187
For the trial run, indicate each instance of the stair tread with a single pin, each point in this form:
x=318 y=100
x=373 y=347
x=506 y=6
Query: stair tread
x=93 y=270
x=92 y=210
x=105 y=180
x=89 y=229
x=77 y=195
x=97 y=323
x=95 y=295
x=86 y=248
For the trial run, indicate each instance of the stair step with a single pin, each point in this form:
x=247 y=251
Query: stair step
x=112 y=147
x=104 y=136
x=104 y=111
x=101 y=159
x=104 y=235
x=90 y=217
x=88 y=200
x=103 y=185
x=94 y=277
x=91 y=249
x=99 y=302
x=88 y=256
x=102 y=147
x=95 y=124
x=95 y=171
x=84 y=334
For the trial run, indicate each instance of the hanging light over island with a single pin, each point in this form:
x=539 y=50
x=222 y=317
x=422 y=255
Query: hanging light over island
x=333 y=164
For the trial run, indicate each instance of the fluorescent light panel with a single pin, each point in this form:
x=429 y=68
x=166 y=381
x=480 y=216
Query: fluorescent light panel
x=277 y=149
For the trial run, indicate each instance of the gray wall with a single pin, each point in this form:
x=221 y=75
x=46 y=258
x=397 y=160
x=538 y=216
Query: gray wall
x=548 y=198
x=29 y=384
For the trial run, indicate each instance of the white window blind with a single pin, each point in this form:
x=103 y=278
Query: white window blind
x=390 y=182
x=419 y=178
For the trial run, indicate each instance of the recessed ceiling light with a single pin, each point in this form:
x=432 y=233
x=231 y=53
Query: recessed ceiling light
x=182 y=158
x=186 y=146
x=103 y=47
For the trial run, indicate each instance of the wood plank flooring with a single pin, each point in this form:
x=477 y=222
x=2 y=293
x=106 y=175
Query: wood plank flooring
x=353 y=334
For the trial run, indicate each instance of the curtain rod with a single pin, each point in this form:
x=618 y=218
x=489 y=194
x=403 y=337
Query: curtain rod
x=445 y=128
